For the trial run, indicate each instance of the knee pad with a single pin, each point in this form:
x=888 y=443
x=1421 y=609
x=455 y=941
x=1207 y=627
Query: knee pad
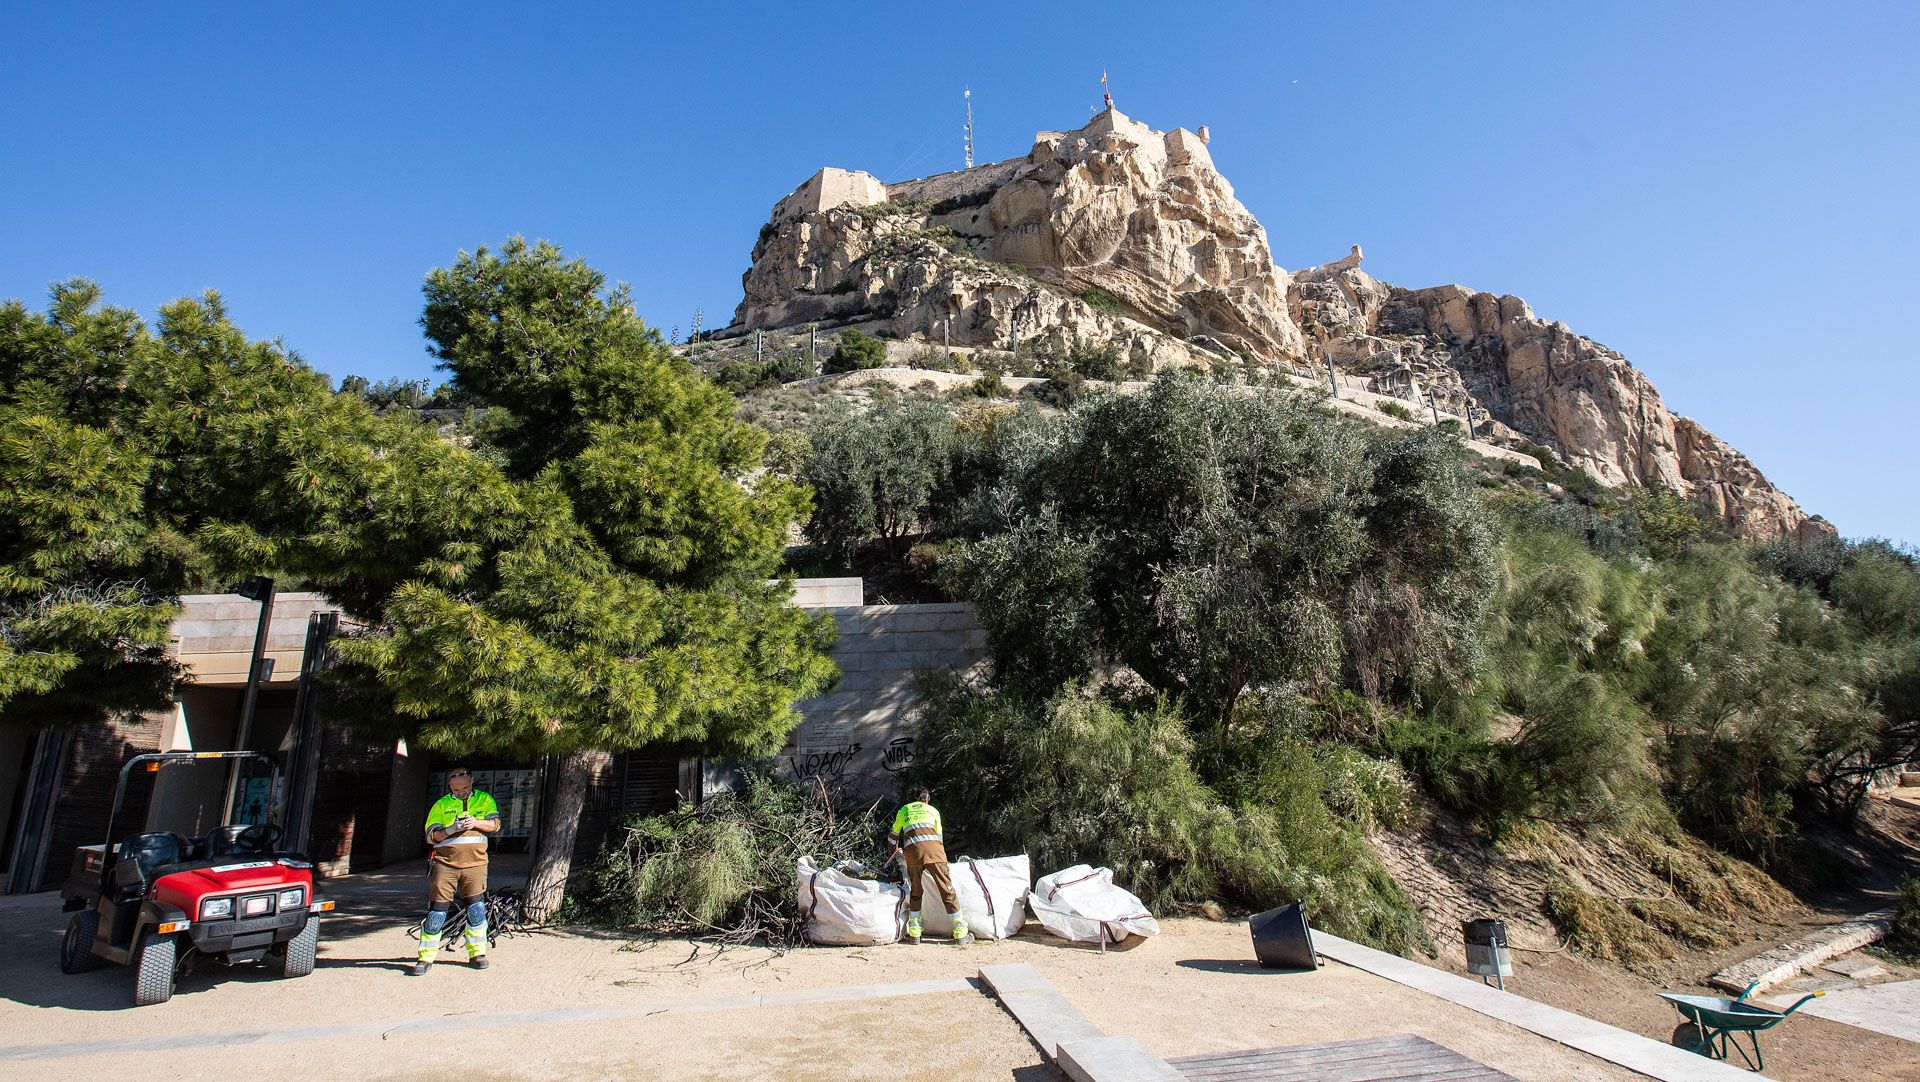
x=476 y=910
x=437 y=917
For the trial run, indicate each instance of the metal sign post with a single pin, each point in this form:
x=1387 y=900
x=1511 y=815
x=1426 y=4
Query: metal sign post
x=257 y=588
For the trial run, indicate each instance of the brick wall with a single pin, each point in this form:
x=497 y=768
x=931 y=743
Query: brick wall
x=87 y=782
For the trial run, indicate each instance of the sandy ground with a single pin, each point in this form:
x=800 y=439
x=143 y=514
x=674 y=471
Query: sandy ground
x=1191 y=990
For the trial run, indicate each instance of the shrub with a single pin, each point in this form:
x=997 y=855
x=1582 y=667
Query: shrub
x=857 y=351
x=725 y=869
x=1078 y=779
x=989 y=385
x=1394 y=409
x=875 y=472
x=1102 y=301
x=1903 y=938
x=934 y=359
x=1059 y=392
x=1218 y=541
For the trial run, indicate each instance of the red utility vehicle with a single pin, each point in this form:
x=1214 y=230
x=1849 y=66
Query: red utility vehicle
x=163 y=902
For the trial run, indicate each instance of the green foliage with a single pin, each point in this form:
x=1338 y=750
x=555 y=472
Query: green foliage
x=1077 y=779
x=1060 y=392
x=989 y=385
x=1669 y=521
x=727 y=866
x=140 y=463
x=1082 y=358
x=1394 y=409
x=875 y=472
x=1578 y=483
x=1102 y=301
x=1626 y=689
x=934 y=359
x=1212 y=540
x=857 y=351
x=613 y=589
x=746 y=376
x=1812 y=562
x=1903 y=938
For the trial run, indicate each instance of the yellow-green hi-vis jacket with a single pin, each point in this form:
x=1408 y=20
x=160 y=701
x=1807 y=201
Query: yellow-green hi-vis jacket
x=467 y=849
x=916 y=822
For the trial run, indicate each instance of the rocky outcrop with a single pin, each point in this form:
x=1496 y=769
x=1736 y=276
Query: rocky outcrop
x=1114 y=231
x=1122 y=234
x=1533 y=379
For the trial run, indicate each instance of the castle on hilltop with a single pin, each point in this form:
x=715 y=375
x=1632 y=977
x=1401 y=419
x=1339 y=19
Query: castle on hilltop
x=832 y=187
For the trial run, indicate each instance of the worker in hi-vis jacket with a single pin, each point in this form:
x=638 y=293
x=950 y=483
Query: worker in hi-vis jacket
x=457 y=829
x=916 y=834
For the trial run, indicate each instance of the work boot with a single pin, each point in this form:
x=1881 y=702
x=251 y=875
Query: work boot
x=959 y=928
x=420 y=969
x=479 y=961
x=913 y=927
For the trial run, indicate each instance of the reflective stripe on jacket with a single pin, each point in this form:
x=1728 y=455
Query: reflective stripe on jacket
x=448 y=808
x=915 y=822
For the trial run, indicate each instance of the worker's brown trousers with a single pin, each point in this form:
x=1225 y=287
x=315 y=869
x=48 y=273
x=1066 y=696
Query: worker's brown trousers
x=931 y=858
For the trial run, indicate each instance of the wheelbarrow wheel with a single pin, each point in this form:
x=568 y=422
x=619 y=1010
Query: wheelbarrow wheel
x=1690 y=1036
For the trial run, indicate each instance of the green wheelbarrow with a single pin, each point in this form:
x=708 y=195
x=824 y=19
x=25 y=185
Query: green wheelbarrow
x=1714 y=1022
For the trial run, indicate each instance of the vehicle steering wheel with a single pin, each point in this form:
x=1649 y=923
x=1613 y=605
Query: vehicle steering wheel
x=258 y=838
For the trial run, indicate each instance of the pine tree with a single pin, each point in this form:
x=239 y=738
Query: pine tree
x=638 y=601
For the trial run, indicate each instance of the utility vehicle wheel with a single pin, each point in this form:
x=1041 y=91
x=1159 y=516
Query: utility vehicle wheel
x=76 y=947
x=153 y=966
x=297 y=960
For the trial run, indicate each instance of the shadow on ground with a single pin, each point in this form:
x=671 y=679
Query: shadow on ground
x=1237 y=965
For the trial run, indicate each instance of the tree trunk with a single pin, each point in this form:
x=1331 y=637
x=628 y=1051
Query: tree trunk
x=553 y=858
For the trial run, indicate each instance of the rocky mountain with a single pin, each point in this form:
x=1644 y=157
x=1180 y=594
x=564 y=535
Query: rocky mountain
x=1119 y=233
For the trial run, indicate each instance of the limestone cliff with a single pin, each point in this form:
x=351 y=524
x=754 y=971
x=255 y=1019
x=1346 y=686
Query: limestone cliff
x=1120 y=233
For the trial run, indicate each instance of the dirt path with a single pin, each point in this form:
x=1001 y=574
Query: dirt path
x=1802 y=1048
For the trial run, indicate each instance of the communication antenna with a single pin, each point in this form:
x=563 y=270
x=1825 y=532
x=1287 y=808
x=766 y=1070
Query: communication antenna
x=968 y=94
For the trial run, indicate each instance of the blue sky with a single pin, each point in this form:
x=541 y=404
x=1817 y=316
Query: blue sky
x=1725 y=193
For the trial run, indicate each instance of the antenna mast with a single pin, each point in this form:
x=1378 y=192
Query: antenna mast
x=968 y=94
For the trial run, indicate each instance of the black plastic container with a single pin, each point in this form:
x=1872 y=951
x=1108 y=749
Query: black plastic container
x=1282 y=939
x=1486 y=942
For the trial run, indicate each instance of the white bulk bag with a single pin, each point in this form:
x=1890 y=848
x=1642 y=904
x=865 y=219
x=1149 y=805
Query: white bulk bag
x=992 y=896
x=843 y=910
x=1082 y=904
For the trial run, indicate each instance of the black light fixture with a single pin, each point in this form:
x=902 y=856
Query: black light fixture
x=1282 y=939
x=255 y=588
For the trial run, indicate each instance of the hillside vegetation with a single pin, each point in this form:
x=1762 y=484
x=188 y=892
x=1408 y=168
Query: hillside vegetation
x=1232 y=634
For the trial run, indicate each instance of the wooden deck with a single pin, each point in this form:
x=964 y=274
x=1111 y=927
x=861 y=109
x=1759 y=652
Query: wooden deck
x=1402 y=1057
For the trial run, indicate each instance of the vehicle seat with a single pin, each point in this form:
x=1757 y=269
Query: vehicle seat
x=152 y=851
x=225 y=841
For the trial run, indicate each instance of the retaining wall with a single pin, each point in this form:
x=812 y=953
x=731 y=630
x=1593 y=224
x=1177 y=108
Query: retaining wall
x=865 y=729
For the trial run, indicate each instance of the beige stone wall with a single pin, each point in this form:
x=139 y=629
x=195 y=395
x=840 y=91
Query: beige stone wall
x=213 y=636
x=831 y=188
x=980 y=178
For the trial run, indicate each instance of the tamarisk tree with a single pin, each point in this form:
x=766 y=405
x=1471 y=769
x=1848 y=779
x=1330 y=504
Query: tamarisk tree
x=627 y=593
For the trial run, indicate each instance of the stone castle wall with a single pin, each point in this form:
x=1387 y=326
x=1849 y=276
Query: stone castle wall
x=831 y=188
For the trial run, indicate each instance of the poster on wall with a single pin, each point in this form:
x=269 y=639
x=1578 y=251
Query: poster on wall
x=256 y=799
x=516 y=791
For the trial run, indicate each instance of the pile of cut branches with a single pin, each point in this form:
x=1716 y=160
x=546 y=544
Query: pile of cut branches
x=723 y=872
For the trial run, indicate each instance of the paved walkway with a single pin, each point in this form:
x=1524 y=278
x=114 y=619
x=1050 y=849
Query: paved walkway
x=1892 y=1009
x=1630 y=1050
